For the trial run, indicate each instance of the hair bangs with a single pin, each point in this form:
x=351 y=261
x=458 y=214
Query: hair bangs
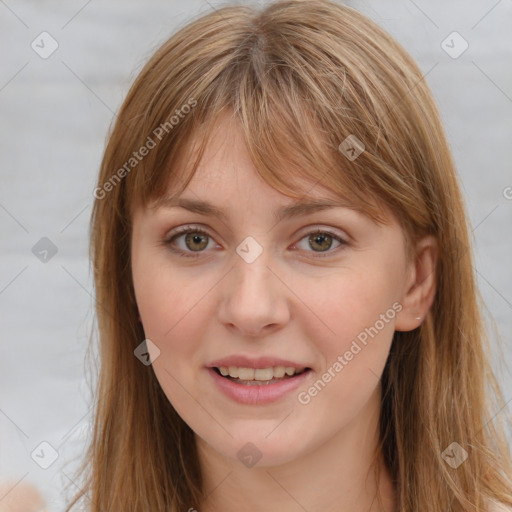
x=292 y=150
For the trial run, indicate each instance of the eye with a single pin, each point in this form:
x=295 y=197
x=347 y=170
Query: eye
x=322 y=240
x=196 y=240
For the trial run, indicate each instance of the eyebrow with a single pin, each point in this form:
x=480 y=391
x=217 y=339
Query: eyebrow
x=297 y=209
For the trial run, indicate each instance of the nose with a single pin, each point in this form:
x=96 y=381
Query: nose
x=255 y=299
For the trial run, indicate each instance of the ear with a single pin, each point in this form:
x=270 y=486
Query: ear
x=420 y=285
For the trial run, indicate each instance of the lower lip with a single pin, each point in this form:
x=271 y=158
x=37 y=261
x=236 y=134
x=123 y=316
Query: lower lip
x=254 y=394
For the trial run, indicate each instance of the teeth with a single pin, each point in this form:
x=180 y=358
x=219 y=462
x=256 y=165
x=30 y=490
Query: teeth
x=245 y=373
x=261 y=374
x=279 y=372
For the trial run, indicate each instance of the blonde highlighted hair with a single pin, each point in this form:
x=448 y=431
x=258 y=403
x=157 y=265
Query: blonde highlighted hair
x=299 y=77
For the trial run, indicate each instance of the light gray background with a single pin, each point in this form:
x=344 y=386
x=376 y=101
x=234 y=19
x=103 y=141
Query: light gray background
x=54 y=116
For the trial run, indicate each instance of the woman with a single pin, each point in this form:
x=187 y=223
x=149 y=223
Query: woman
x=242 y=369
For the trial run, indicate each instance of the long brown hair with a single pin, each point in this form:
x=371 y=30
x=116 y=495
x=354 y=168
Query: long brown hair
x=300 y=77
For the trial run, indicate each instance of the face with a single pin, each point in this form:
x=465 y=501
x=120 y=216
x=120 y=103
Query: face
x=319 y=292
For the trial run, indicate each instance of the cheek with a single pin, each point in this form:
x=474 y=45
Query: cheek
x=359 y=309
x=158 y=291
x=355 y=301
x=172 y=305
x=352 y=359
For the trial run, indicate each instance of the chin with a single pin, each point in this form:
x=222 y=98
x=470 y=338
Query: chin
x=255 y=449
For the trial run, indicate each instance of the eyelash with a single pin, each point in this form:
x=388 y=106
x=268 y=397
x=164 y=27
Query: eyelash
x=191 y=229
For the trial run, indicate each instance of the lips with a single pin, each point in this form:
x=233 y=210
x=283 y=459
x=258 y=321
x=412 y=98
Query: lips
x=254 y=392
x=257 y=380
x=259 y=362
x=263 y=369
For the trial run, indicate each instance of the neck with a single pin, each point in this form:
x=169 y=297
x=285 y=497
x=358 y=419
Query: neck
x=340 y=475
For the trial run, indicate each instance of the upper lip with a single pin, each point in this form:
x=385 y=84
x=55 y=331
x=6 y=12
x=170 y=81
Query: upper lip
x=258 y=362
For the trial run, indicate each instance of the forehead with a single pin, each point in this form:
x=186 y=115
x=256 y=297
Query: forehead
x=227 y=156
x=218 y=200
x=226 y=165
x=215 y=166
x=222 y=179
x=215 y=188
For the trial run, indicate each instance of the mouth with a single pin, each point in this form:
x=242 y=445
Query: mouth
x=259 y=376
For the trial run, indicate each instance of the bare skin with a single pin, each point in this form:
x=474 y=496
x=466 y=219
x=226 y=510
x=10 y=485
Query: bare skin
x=289 y=303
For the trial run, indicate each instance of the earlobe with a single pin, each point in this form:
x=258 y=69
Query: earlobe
x=420 y=288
